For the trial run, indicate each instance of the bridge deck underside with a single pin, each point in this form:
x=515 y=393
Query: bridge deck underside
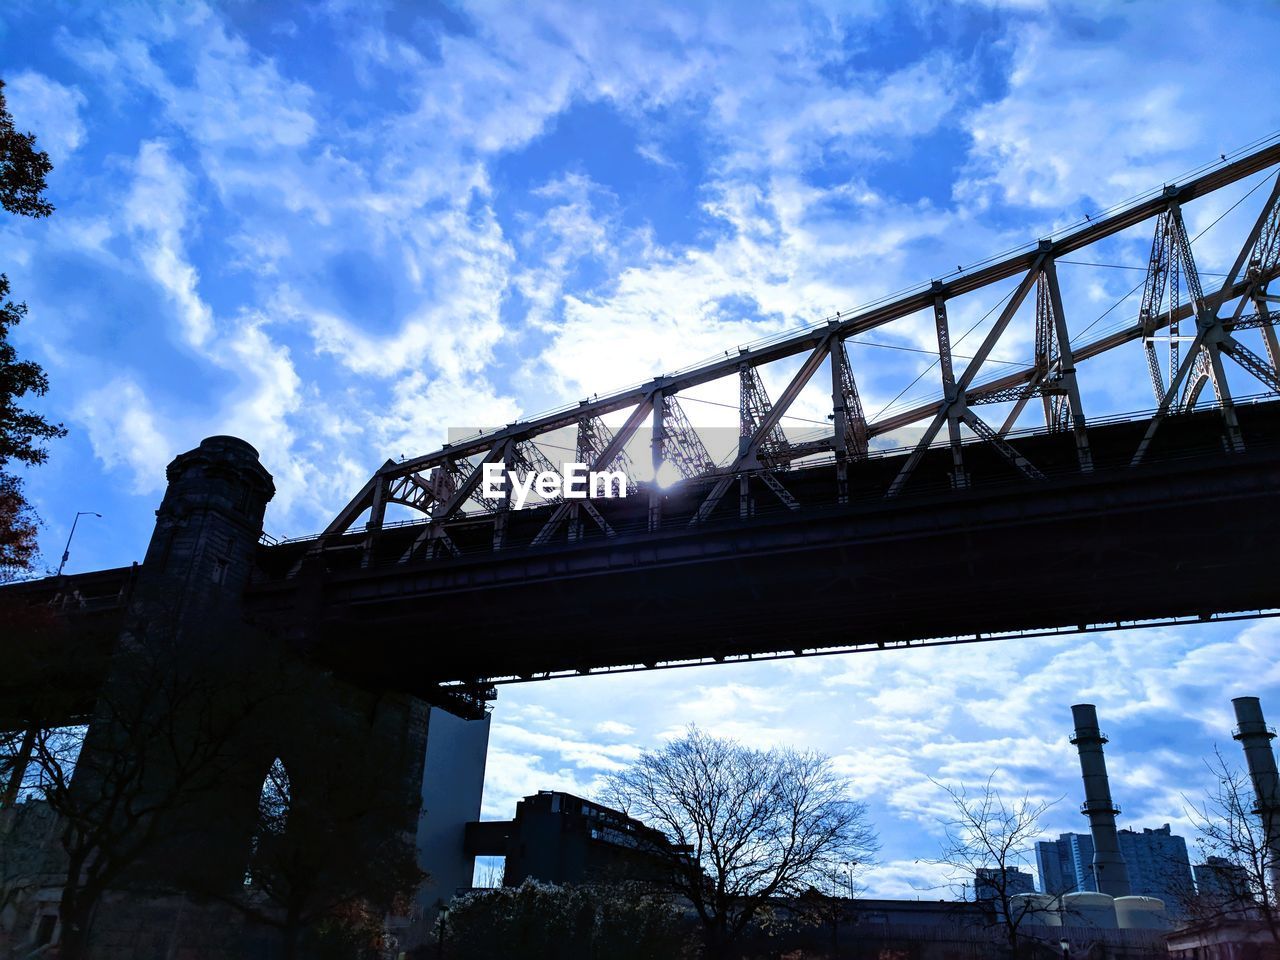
x=1189 y=532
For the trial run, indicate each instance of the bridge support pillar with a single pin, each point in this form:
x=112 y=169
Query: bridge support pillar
x=197 y=706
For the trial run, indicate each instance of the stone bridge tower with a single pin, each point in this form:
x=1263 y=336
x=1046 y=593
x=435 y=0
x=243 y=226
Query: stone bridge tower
x=214 y=703
x=207 y=529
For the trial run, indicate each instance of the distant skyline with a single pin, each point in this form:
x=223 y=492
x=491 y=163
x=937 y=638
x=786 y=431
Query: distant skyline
x=340 y=229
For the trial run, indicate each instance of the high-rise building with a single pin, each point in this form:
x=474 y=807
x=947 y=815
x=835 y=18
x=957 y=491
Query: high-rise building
x=1223 y=886
x=986 y=883
x=1157 y=863
x=1158 y=866
x=1065 y=864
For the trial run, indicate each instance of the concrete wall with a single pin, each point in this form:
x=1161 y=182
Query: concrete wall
x=452 y=786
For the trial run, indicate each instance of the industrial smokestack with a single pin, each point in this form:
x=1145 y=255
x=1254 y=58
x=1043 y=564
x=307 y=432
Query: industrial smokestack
x=1255 y=736
x=1109 y=869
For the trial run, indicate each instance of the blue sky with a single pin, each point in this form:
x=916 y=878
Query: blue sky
x=339 y=229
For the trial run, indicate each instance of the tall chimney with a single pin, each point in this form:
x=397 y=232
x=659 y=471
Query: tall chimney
x=1255 y=736
x=1109 y=869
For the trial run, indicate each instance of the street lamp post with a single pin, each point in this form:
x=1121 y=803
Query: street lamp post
x=442 y=918
x=66 y=552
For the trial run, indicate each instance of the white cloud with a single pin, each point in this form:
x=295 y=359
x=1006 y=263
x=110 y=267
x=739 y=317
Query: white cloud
x=907 y=880
x=236 y=97
x=48 y=108
x=614 y=728
x=124 y=430
x=454 y=324
x=156 y=209
x=1085 y=121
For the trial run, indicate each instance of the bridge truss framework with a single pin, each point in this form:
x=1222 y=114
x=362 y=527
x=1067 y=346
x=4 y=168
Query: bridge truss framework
x=444 y=485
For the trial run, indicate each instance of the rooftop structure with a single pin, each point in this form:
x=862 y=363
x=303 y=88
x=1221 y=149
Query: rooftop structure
x=559 y=838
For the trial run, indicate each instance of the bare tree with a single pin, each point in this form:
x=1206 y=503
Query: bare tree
x=129 y=746
x=985 y=841
x=159 y=740
x=159 y=797
x=1231 y=832
x=489 y=873
x=748 y=827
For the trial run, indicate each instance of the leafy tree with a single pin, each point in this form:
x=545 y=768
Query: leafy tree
x=988 y=837
x=22 y=169
x=750 y=828
x=22 y=433
x=18 y=527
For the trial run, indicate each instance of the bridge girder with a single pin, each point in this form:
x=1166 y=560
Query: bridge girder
x=443 y=485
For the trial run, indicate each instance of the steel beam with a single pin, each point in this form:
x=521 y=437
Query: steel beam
x=955 y=403
x=1167 y=400
x=748 y=454
x=614 y=447
x=1067 y=368
x=446 y=509
x=658 y=452
x=970 y=371
x=1017 y=378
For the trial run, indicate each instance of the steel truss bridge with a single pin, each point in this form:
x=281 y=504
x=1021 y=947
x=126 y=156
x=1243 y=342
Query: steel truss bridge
x=985 y=524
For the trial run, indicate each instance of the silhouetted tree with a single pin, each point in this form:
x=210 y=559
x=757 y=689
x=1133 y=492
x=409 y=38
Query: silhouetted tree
x=489 y=874
x=18 y=529
x=750 y=828
x=1229 y=829
x=22 y=433
x=542 y=921
x=22 y=169
x=989 y=834
x=162 y=732
x=156 y=799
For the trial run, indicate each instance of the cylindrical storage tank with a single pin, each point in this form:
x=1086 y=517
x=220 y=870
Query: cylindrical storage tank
x=1141 y=913
x=1038 y=909
x=1089 y=909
